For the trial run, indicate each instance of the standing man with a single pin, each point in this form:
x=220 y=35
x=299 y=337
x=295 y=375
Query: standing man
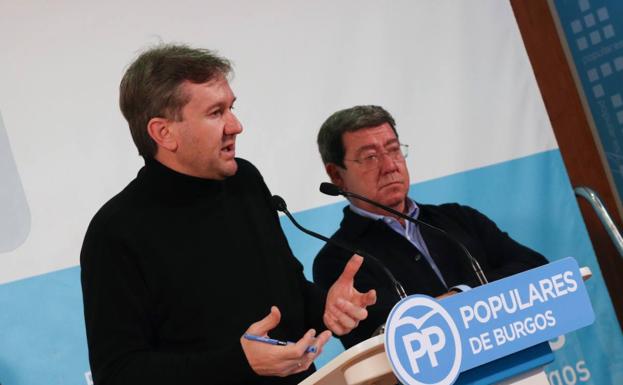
x=362 y=154
x=191 y=255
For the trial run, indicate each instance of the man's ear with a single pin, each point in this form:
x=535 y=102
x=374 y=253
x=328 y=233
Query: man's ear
x=159 y=129
x=334 y=172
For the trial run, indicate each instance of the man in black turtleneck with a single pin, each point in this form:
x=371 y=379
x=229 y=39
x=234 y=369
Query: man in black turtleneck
x=190 y=255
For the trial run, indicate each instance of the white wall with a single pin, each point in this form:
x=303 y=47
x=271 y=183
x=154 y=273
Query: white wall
x=454 y=74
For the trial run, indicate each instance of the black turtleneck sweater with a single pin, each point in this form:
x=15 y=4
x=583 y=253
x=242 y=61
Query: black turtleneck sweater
x=176 y=268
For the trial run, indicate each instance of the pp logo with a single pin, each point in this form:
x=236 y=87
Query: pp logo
x=422 y=342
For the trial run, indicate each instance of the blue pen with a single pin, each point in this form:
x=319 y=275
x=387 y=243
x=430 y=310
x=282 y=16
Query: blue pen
x=272 y=341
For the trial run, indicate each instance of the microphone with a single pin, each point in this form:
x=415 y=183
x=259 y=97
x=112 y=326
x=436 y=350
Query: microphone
x=330 y=189
x=333 y=190
x=280 y=205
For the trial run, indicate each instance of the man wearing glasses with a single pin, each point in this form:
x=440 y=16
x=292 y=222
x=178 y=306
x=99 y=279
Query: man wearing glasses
x=362 y=154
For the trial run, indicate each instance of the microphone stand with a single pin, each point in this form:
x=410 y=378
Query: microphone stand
x=280 y=205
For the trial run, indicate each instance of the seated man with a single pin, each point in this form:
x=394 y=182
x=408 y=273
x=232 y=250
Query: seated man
x=362 y=154
x=190 y=255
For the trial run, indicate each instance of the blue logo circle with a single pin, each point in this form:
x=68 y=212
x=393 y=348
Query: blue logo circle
x=422 y=342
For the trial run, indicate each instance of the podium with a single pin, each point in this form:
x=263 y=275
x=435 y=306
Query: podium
x=367 y=363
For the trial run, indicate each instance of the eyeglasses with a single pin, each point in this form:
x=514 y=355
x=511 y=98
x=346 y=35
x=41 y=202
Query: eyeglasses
x=398 y=153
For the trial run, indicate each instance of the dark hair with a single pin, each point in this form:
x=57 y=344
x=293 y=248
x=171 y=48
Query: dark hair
x=352 y=119
x=151 y=86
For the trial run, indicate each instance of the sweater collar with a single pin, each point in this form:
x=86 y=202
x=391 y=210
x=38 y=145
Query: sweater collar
x=162 y=178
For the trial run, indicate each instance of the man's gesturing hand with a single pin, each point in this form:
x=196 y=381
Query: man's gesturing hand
x=272 y=360
x=346 y=306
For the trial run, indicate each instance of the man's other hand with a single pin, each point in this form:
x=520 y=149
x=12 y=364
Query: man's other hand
x=281 y=361
x=345 y=306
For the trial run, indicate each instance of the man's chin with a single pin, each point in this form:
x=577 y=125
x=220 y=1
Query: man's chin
x=395 y=200
x=224 y=170
x=396 y=204
x=230 y=168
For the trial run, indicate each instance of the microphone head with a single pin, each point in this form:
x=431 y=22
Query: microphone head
x=330 y=189
x=279 y=204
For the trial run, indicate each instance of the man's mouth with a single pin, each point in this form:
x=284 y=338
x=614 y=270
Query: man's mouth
x=229 y=150
x=388 y=184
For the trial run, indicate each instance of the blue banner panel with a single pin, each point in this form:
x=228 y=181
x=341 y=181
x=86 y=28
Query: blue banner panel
x=594 y=33
x=42 y=335
x=430 y=342
x=520 y=311
x=593 y=30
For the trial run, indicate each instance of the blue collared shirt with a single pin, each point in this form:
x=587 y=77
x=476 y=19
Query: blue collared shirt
x=411 y=232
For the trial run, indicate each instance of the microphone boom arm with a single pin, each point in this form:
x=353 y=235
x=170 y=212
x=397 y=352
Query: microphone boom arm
x=280 y=205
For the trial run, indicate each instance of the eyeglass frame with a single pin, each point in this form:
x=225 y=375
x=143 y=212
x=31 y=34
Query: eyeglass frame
x=401 y=154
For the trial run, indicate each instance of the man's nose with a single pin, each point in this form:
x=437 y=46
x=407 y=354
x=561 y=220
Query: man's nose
x=388 y=164
x=232 y=124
